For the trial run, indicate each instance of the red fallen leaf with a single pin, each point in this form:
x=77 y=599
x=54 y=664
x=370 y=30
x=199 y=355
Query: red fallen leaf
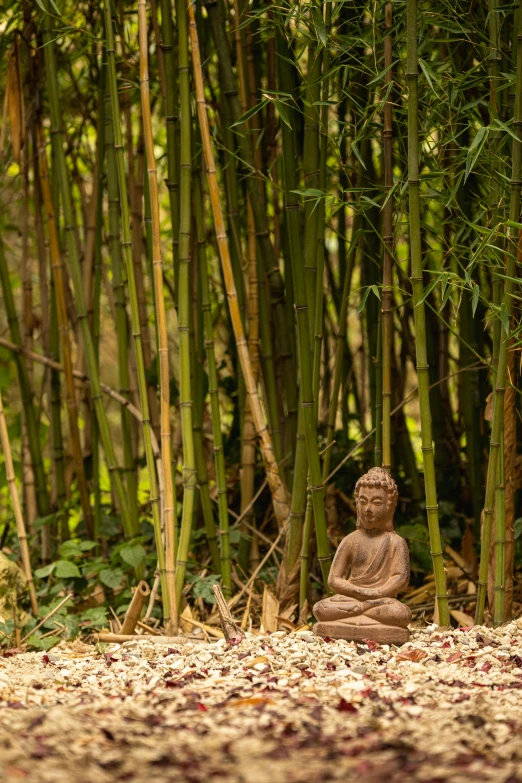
x=16 y=705
x=171 y=651
x=346 y=706
x=454 y=657
x=202 y=708
x=241 y=656
x=109 y=658
x=446 y=646
x=327 y=639
x=235 y=640
x=373 y=645
x=11 y=652
x=412 y=654
x=331 y=667
x=486 y=667
x=45 y=658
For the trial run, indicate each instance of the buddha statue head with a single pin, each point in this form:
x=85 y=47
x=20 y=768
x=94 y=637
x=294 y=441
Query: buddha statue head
x=376 y=498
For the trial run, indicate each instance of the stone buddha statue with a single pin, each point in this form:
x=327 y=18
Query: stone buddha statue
x=364 y=605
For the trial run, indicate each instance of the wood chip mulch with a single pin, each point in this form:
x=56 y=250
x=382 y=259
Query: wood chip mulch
x=282 y=707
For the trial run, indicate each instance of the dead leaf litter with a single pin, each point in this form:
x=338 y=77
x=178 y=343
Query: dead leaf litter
x=278 y=707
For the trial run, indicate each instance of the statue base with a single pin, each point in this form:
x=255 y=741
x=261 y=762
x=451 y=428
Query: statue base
x=357 y=632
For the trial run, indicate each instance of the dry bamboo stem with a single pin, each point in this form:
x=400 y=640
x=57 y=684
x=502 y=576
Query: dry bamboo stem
x=133 y=613
x=17 y=510
x=47 y=616
x=279 y=492
x=163 y=348
x=119 y=638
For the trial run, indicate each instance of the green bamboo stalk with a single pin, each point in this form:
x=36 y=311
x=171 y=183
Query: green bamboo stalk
x=171 y=121
x=293 y=235
x=213 y=390
x=197 y=387
x=118 y=286
x=42 y=498
x=386 y=331
x=500 y=538
x=58 y=452
x=501 y=374
x=277 y=488
x=419 y=314
x=135 y=314
x=304 y=353
x=321 y=210
x=189 y=463
x=254 y=187
x=311 y=169
x=76 y=274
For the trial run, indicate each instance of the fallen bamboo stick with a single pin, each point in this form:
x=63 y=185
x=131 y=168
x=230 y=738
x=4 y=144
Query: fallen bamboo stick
x=48 y=616
x=136 y=605
x=119 y=638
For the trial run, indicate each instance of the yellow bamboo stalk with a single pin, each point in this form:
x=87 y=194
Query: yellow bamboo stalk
x=280 y=497
x=61 y=311
x=17 y=509
x=163 y=348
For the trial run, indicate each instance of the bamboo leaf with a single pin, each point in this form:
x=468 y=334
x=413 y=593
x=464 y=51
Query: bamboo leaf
x=358 y=155
x=429 y=75
x=475 y=298
x=281 y=110
x=504 y=317
x=475 y=150
x=250 y=113
x=320 y=26
x=363 y=301
x=430 y=288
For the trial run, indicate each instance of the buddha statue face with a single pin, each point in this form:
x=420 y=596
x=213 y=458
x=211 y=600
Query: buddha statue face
x=376 y=499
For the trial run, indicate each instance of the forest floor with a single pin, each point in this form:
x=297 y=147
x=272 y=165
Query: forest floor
x=273 y=709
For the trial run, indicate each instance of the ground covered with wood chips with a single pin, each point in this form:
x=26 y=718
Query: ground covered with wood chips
x=273 y=708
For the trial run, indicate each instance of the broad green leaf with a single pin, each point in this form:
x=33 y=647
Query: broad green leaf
x=111 y=577
x=66 y=570
x=70 y=549
x=47 y=570
x=134 y=555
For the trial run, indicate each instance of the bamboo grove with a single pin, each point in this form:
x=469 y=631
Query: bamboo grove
x=247 y=251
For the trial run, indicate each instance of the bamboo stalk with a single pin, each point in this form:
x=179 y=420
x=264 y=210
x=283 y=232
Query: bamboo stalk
x=163 y=348
x=133 y=613
x=76 y=274
x=496 y=439
x=387 y=320
x=61 y=314
x=17 y=510
x=213 y=390
x=277 y=488
x=118 y=287
x=189 y=459
x=135 y=314
x=419 y=314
